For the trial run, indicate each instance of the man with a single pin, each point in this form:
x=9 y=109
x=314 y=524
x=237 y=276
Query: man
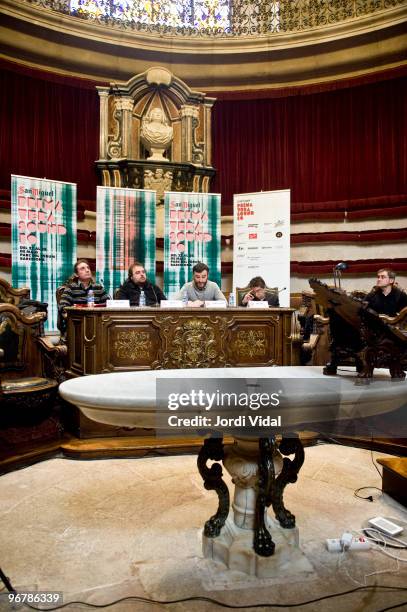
x=258 y=293
x=385 y=297
x=137 y=282
x=200 y=289
x=78 y=287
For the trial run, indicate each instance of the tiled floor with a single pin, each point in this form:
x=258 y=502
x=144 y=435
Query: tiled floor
x=103 y=530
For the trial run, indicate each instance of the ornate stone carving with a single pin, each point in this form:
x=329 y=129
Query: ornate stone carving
x=250 y=343
x=153 y=114
x=156 y=134
x=159 y=180
x=133 y=344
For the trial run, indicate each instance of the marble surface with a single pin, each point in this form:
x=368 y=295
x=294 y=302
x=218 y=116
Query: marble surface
x=129 y=398
x=103 y=530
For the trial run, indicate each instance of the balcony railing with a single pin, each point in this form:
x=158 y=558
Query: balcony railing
x=220 y=18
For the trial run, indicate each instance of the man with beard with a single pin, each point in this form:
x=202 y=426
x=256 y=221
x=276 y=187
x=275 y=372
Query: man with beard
x=200 y=289
x=136 y=282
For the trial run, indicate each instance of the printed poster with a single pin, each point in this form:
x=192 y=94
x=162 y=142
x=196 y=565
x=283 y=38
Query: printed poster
x=43 y=219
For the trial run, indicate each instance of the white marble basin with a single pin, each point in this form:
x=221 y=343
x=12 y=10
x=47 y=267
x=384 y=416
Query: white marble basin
x=128 y=399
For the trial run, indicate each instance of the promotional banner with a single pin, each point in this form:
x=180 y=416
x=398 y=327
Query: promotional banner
x=43 y=219
x=191 y=234
x=125 y=233
x=261 y=243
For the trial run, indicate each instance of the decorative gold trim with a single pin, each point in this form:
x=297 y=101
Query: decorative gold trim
x=133 y=344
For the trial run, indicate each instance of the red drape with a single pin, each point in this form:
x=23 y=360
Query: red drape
x=343 y=144
x=328 y=146
x=48 y=129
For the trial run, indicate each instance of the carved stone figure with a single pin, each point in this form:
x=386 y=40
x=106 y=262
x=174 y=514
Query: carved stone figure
x=156 y=134
x=159 y=181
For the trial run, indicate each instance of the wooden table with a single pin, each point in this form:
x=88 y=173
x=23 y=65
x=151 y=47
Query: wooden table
x=102 y=340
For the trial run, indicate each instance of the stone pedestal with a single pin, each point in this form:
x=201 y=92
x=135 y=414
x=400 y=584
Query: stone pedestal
x=234 y=549
x=255 y=470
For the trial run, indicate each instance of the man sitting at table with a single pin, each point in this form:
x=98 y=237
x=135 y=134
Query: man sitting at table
x=259 y=293
x=77 y=288
x=136 y=282
x=200 y=289
x=386 y=298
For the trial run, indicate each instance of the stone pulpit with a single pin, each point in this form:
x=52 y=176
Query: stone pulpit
x=155 y=133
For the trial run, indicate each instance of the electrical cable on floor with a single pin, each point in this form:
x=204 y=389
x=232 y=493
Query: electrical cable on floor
x=356 y=491
x=375 y=587
x=369 y=530
x=369 y=497
x=403 y=603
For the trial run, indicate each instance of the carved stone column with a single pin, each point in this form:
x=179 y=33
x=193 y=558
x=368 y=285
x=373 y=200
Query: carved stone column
x=125 y=105
x=188 y=114
x=104 y=121
x=208 y=103
x=242 y=463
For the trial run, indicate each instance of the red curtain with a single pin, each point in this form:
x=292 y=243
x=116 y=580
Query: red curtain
x=328 y=146
x=336 y=145
x=48 y=129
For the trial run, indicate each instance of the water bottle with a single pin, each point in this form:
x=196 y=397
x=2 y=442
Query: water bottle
x=231 y=302
x=90 y=298
x=142 y=300
x=185 y=298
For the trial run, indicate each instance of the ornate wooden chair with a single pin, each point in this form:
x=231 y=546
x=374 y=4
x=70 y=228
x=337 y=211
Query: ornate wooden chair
x=9 y=295
x=22 y=365
x=29 y=411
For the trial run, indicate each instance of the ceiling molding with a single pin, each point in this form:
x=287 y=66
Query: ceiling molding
x=67 y=45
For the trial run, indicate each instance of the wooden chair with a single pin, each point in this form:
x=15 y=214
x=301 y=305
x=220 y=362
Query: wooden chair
x=241 y=292
x=10 y=295
x=27 y=393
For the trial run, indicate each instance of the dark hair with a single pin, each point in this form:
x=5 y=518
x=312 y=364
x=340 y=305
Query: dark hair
x=200 y=267
x=257 y=281
x=79 y=262
x=389 y=271
x=135 y=264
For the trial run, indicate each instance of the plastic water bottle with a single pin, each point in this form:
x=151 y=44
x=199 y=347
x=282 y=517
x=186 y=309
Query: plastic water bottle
x=185 y=298
x=231 y=302
x=142 y=300
x=90 y=298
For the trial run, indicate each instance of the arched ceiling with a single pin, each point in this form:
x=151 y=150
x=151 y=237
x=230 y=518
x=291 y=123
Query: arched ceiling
x=49 y=40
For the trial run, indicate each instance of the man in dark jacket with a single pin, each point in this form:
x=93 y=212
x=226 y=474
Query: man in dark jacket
x=137 y=282
x=258 y=293
x=385 y=297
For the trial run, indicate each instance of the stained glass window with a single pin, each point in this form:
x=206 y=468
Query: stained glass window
x=198 y=14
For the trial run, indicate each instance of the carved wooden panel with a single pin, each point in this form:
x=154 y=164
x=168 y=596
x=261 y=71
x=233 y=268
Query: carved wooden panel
x=130 y=346
x=134 y=339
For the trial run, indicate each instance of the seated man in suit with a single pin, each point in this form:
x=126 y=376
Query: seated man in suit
x=77 y=289
x=136 y=282
x=259 y=293
x=200 y=289
x=385 y=297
